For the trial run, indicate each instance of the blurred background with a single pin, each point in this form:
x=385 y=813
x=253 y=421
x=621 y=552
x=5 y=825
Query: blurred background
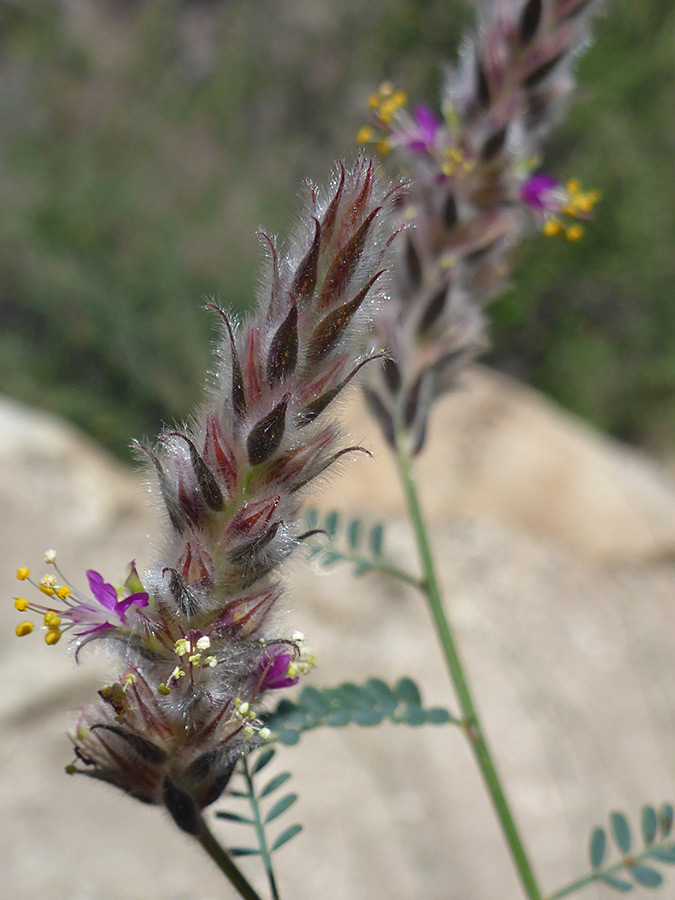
x=144 y=141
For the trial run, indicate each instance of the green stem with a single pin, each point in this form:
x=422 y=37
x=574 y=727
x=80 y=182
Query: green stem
x=224 y=862
x=260 y=832
x=472 y=725
x=384 y=568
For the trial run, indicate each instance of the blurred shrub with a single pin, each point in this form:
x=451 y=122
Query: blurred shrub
x=144 y=141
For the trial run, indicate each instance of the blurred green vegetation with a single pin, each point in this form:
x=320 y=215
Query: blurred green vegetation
x=145 y=141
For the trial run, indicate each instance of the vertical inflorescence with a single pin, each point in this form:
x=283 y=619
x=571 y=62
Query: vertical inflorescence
x=474 y=192
x=197 y=634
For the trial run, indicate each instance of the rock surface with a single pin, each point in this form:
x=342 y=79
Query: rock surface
x=554 y=547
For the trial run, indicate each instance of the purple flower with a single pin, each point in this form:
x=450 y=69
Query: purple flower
x=421 y=136
x=113 y=612
x=540 y=192
x=273 y=670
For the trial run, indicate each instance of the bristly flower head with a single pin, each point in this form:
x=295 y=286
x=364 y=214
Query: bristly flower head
x=197 y=636
x=474 y=193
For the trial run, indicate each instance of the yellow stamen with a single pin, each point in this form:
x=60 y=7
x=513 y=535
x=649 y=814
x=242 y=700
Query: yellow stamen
x=194 y=659
x=365 y=135
x=386 y=89
x=203 y=643
x=248 y=731
x=163 y=690
x=181 y=647
x=373 y=101
x=47 y=590
x=292 y=671
x=63 y=592
x=53 y=636
x=50 y=556
x=552 y=228
x=23 y=573
x=265 y=734
x=21 y=604
x=23 y=628
x=383 y=146
x=52 y=618
x=574 y=233
x=211 y=661
x=48 y=581
x=176 y=674
x=573 y=185
x=130 y=678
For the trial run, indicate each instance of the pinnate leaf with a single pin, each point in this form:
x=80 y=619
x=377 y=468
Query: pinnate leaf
x=280 y=807
x=265 y=757
x=274 y=784
x=646 y=876
x=621 y=832
x=286 y=836
x=597 y=847
x=648 y=824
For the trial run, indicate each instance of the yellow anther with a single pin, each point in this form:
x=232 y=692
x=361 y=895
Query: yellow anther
x=21 y=604
x=203 y=643
x=50 y=556
x=265 y=734
x=383 y=146
x=386 y=89
x=82 y=733
x=48 y=581
x=70 y=769
x=552 y=228
x=387 y=110
x=373 y=101
x=469 y=165
x=585 y=202
x=574 y=233
x=23 y=573
x=365 y=135
x=573 y=185
x=176 y=674
x=455 y=154
x=53 y=636
x=248 y=731
x=194 y=659
x=47 y=590
x=250 y=714
x=130 y=678
x=298 y=637
x=182 y=647
x=52 y=618
x=243 y=708
x=211 y=661
x=163 y=690
x=63 y=592
x=292 y=671
x=400 y=98
x=447 y=260
x=448 y=168
x=24 y=628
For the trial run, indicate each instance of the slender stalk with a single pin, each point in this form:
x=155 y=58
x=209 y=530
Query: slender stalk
x=224 y=862
x=472 y=725
x=260 y=832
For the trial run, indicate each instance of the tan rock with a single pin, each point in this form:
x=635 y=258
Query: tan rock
x=572 y=667
x=500 y=451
